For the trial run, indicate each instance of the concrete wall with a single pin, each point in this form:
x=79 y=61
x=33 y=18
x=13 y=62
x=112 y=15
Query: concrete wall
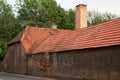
x=100 y=63
x=15 y=60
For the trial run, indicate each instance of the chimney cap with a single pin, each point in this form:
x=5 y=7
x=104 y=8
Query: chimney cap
x=81 y=5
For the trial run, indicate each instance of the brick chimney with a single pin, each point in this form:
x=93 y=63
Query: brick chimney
x=81 y=16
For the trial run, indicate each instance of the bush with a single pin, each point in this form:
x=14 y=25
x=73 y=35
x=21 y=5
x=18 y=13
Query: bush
x=3 y=48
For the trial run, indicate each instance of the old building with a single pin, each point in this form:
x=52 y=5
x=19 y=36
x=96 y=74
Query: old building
x=87 y=52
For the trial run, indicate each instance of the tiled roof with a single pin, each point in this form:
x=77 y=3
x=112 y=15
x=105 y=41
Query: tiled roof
x=34 y=35
x=53 y=40
x=41 y=40
x=101 y=35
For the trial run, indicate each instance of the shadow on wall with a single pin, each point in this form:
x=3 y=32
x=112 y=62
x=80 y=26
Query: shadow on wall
x=0 y=66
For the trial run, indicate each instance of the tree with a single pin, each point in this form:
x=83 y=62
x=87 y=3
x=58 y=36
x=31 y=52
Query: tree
x=95 y=17
x=52 y=13
x=3 y=48
x=40 y=13
x=8 y=30
x=46 y=12
x=29 y=12
x=70 y=19
x=6 y=21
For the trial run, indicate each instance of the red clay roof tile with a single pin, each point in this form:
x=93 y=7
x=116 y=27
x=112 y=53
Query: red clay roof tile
x=41 y=40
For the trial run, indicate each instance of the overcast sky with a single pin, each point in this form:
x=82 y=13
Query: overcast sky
x=112 y=6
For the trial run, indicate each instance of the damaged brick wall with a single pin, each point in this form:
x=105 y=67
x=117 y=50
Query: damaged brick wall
x=38 y=64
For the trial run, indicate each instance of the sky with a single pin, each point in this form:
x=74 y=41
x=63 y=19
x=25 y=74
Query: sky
x=111 y=6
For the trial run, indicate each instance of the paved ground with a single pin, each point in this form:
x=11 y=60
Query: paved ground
x=5 y=76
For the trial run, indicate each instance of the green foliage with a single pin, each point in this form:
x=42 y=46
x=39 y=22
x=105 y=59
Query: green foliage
x=70 y=19
x=8 y=26
x=44 y=13
x=3 y=48
x=29 y=12
x=7 y=21
x=52 y=13
x=95 y=17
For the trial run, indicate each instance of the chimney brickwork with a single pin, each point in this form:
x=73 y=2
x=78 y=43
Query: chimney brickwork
x=81 y=16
